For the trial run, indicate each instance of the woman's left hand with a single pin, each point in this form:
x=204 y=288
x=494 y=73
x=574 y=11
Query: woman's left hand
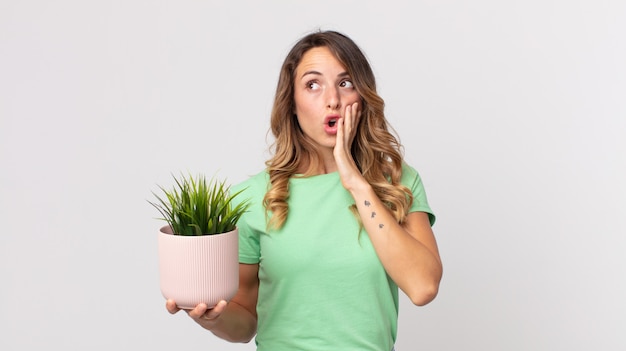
x=346 y=131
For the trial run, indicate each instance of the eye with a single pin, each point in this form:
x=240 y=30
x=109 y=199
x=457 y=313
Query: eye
x=312 y=85
x=346 y=84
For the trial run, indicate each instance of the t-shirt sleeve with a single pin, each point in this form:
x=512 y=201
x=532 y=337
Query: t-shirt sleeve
x=249 y=247
x=412 y=180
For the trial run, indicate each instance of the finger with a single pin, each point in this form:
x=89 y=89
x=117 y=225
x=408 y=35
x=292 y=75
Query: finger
x=202 y=312
x=198 y=311
x=355 y=115
x=352 y=118
x=347 y=123
x=356 y=111
x=339 y=137
x=171 y=306
x=216 y=311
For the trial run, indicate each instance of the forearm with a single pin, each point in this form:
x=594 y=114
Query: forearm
x=235 y=324
x=412 y=265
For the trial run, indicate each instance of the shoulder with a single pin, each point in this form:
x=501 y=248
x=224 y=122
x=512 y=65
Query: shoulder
x=253 y=185
x=410 y=176
x=411 y=179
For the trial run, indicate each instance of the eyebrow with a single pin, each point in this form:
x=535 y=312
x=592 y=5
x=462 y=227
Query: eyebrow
x=342 y=74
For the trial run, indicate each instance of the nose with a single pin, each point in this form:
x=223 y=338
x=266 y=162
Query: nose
x=333 y=100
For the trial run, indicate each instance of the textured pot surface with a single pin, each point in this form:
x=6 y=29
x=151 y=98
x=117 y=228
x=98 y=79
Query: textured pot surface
x=198 y=269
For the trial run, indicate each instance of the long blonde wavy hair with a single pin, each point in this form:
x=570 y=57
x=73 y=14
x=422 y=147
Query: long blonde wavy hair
x=376 y=151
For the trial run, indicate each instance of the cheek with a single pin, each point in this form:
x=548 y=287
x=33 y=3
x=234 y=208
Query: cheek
x=298 y=102
x=352 y=97
x=304 y=106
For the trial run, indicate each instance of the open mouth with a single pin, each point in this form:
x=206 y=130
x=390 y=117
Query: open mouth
x=332 y=122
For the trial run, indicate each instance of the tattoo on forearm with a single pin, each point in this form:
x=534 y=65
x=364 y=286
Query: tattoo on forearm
x=368 y=204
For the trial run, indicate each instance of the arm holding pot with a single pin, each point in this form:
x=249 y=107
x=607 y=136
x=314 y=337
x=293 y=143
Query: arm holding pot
x=234 y=321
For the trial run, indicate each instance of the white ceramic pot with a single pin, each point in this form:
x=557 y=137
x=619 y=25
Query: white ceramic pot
x=198 y=269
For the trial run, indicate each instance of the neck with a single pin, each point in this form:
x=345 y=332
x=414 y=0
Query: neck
x=320 y=162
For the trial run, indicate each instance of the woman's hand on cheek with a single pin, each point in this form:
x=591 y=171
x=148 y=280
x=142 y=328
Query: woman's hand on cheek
x=346 y=132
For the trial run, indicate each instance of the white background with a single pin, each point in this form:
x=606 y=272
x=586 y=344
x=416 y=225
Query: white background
x=514 y=113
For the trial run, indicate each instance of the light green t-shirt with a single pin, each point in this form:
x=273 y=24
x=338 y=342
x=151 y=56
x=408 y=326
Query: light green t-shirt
x=322 y=287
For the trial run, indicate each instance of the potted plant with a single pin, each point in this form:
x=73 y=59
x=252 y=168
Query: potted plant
x=198 y=248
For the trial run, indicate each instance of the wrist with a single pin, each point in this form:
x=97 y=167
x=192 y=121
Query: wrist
x=359 y=188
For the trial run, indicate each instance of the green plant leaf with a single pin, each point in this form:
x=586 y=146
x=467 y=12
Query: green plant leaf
x=195 y=206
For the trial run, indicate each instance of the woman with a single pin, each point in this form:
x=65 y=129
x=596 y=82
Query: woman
x=338 y=220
